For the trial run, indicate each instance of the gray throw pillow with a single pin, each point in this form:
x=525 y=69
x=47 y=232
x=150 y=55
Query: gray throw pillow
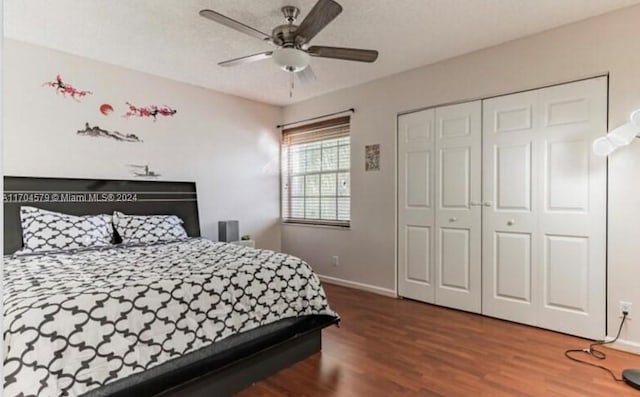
x=135 y=229
x=44 y=230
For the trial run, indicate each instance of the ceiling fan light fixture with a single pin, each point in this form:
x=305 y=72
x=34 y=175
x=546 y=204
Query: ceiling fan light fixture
x=291 y=59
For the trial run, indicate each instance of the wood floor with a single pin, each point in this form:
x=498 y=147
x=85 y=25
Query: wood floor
x=393 y=347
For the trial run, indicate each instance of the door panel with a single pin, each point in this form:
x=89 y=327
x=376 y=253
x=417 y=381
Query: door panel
x=513 y=177
x=454 y=257
x=512 y=265
x=570 y=110
x=458 y=222
x=453 y=126
x=567 y=186
x=417 y=167
x=416 y=218
x=508 y=118
x=566 y=273
x=454 y=168
x=418 y=248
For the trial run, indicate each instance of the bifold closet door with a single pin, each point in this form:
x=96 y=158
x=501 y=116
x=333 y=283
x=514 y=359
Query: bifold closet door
x=544 y=235
x=458 y=208
x=439 y=229
x=416 y=216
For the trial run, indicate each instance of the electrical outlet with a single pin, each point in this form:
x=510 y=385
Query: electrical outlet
x=625 y=307
x=336 y=262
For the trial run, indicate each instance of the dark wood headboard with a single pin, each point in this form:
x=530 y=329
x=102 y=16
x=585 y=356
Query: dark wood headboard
x=96 y=196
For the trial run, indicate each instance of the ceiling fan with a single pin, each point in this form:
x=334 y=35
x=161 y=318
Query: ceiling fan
x=293 y=53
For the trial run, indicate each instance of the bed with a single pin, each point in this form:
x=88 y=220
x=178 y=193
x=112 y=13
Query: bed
x=184 y=316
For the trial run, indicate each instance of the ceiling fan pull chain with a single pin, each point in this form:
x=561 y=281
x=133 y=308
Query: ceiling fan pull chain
x=291 y=79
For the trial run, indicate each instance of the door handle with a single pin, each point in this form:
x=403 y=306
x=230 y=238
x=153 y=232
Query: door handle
x=453 y=219
x=487 y=204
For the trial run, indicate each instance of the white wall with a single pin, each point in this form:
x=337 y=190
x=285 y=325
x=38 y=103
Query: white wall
x=229 y=146
x=603 y=44
x=1 y=181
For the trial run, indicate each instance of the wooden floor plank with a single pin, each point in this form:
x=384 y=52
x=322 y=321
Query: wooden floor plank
x=395 y=347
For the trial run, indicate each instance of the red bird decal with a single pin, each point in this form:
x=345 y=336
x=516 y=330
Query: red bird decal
x=149 y=111
x=66 y=89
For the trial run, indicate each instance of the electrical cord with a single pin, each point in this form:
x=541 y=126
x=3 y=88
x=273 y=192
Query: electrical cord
x=598 y=354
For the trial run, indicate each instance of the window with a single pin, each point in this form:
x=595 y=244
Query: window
x=316 y=164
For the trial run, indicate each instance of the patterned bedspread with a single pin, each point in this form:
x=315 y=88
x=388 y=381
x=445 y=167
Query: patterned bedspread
x=76 y=321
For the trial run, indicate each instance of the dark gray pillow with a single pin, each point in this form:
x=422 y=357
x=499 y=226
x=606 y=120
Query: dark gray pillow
x=44 y=230
x=135 y=229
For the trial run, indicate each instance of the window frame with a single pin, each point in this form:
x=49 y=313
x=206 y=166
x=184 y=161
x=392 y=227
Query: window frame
x=318 y=132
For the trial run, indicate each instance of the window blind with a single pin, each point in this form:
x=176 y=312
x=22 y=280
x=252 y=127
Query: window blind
x=316 y=164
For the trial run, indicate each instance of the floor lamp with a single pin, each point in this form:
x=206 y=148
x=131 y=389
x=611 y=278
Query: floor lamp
x=604 y=146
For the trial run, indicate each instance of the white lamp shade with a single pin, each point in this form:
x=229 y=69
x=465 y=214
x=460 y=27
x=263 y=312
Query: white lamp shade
x=623 y=135
x=603 y=146
x=290 y=59
x=635 y=119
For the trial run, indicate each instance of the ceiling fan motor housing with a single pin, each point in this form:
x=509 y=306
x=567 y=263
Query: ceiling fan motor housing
x=284 y=35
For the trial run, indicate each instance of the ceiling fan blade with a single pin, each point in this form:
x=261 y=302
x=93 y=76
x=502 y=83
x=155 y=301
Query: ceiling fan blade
x=347 y=54
x=247 y=59
x=233 y=24
x=322 y=13
x=306 y=75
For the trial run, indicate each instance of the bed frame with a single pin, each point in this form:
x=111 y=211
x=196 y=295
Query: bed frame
x=256 y=355
x=96 y=196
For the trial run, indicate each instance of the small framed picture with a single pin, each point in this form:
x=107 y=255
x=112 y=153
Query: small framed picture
x=372 y=157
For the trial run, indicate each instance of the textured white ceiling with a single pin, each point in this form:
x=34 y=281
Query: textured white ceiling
x=168 y=38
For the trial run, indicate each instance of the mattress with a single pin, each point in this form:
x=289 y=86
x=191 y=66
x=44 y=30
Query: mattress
x=77 y=322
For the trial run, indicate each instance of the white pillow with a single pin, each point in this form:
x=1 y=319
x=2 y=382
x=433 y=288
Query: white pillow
x=44 y=230
x=134 y=229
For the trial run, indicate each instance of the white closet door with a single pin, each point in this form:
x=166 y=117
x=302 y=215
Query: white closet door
x=458 y=210
x=544 y=240
x=510 y=172
x=416 y=144
x=572 y=221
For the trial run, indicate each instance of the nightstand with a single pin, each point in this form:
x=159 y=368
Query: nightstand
x=246 y=243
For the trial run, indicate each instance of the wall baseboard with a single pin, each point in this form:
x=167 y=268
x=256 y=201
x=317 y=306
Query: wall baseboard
x=361 y=286
x=625 y=345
